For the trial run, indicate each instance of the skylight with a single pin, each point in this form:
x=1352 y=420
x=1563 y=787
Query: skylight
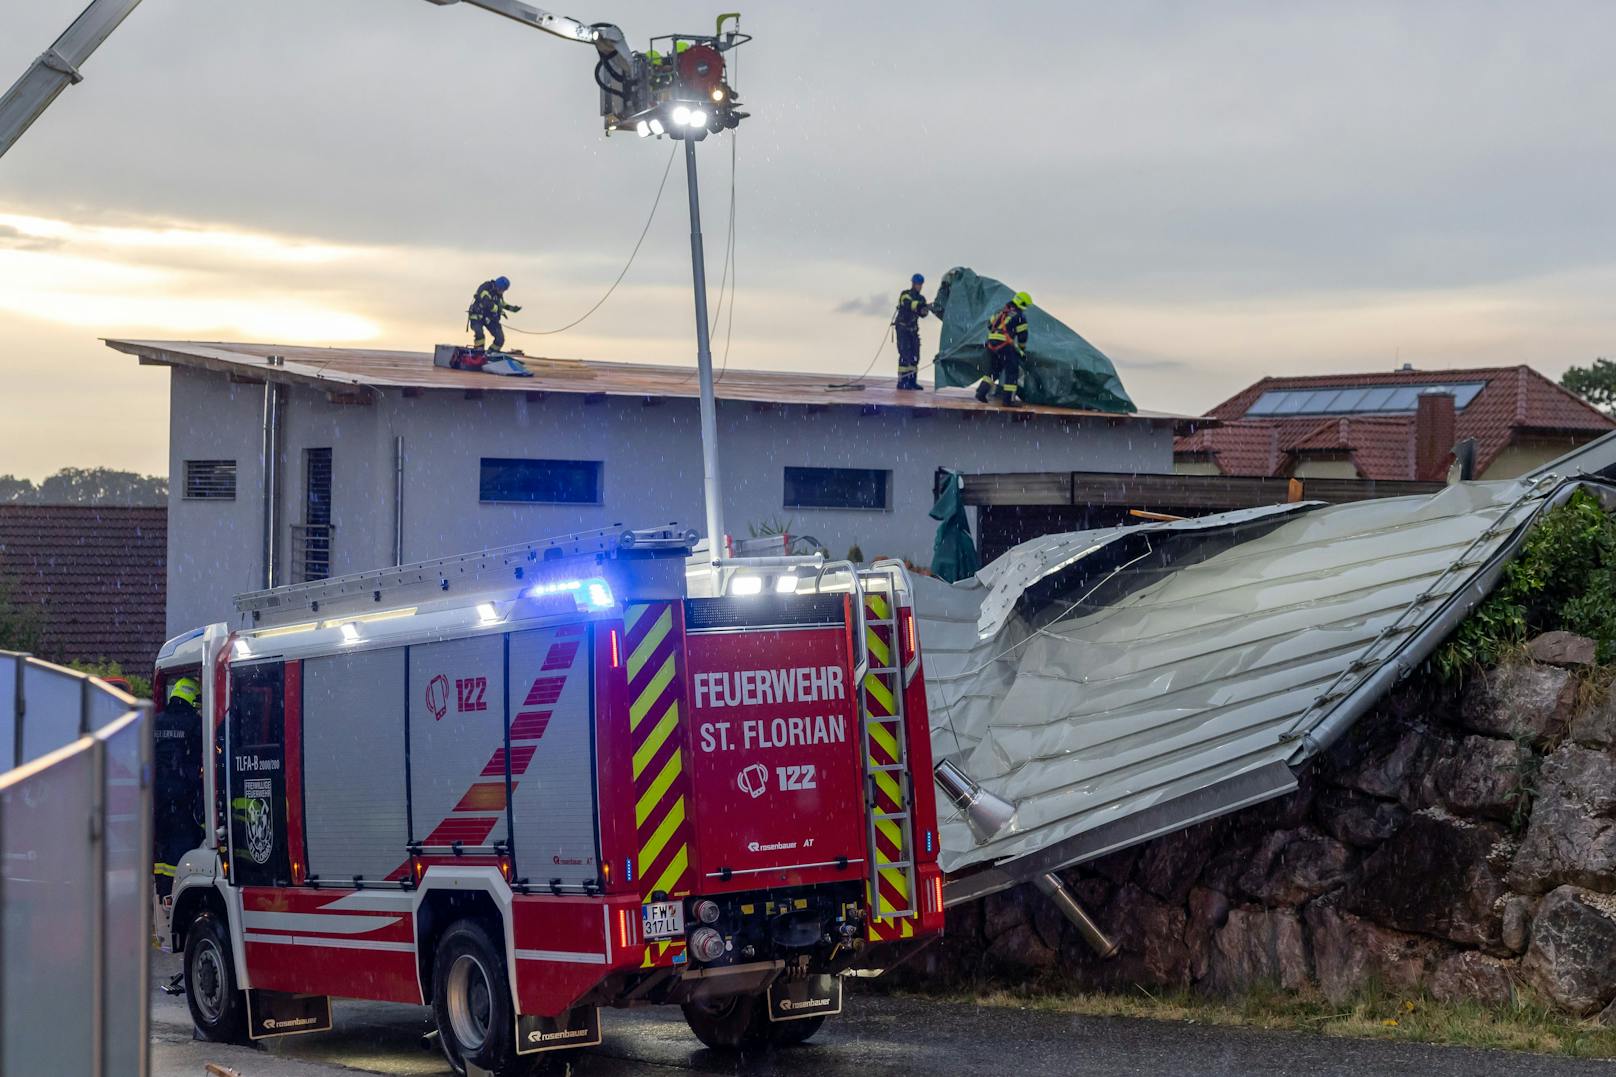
x=1358 y=399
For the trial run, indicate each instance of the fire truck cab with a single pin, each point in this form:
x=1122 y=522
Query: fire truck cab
x=523 y=784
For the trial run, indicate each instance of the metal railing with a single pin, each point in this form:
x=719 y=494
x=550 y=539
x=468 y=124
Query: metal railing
x=75 y=873
x=311 y=552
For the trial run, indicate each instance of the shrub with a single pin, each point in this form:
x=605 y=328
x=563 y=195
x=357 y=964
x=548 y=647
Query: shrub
x=1563 y=578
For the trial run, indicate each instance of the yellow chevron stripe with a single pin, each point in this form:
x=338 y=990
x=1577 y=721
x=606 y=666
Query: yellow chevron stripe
x=653 y=692
x=893 y=834
x=647 y=751
x=642 y=809
x=889 y=785
x=883 y=696
x=884 y=737
x=653 y=847
x=894 y=878
x=878 y=606
x=676 y=868
x=908 y=927
x=878 y=648
x=659 y=632
x=632 y=615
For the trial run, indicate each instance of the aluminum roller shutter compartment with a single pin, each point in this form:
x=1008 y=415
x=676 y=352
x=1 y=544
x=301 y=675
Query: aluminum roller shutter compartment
x=1123 y=683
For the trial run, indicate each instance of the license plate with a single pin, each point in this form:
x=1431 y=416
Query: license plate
x=662 y=920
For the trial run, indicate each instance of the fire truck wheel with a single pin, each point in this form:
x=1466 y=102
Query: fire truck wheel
x=218 y=1009
x=787 y=1033
x=729 y=1022
x=471 y=1001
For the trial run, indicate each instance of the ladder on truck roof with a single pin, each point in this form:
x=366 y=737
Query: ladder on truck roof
x=464 y=576
x=889 y=793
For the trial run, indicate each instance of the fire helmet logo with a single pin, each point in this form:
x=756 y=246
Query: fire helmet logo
x=437 y=696
x=753 y=780
x=260 y=820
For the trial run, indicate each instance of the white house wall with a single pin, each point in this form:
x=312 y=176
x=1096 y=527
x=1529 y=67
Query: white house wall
x=651 y=471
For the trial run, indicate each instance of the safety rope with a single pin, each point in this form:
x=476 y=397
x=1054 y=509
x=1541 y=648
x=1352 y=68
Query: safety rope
x=668 y=168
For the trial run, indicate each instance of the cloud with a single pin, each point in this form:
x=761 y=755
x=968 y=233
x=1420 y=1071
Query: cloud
x=15 y=239
x=878 y=304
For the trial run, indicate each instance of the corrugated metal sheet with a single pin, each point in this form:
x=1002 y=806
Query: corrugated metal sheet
x=1119 y=684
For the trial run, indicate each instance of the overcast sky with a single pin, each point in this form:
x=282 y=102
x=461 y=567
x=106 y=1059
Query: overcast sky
x=1209 y=192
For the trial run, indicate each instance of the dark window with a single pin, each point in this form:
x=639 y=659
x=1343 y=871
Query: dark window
x=312 y=540
x=565 y=482
x=255 y=763
x=210 y=480
x=838 y=488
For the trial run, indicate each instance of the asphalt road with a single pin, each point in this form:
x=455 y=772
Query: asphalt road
x=876 y=1036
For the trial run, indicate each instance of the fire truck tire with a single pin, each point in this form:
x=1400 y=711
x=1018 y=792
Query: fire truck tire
x=471 y=1002
x=788 y=1033
x=218 y=1008
x=727 y=1023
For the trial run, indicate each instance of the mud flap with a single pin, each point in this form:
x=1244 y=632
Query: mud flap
x=578 y=1027
x=815 y=996
x=279 y=1013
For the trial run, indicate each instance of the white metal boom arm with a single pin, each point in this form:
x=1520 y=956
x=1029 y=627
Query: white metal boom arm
x=58 y=66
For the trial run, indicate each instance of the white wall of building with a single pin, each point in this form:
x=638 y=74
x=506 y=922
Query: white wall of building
x=651 y=460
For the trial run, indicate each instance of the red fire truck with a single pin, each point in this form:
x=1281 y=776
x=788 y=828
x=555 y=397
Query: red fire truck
x=526 y=783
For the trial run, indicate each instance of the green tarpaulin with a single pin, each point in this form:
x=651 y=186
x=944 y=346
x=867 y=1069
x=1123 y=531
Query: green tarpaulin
x=953 y=554
x=1061 y=368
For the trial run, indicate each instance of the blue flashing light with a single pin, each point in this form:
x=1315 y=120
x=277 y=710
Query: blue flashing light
x=628 y=872
x=593 y=593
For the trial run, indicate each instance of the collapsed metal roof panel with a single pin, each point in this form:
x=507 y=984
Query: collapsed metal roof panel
x=1119 y=684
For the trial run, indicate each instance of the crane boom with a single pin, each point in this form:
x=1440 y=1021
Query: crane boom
x=58 y=67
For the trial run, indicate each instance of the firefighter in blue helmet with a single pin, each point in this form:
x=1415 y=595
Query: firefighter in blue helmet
x=177 y=788
x=1007 y=347
x=488 y=306
x=911 y=308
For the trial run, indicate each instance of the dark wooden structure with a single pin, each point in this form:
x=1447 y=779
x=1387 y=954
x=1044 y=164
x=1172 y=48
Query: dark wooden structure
x=1014 y=507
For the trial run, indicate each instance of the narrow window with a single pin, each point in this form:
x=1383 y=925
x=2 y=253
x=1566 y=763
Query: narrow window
x=544 y=482
x=838 y=488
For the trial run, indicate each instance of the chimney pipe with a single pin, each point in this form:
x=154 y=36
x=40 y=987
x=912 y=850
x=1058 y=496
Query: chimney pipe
x=986 y=814
x=1434 y=434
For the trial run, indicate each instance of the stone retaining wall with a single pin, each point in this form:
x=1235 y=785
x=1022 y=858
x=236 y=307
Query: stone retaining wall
x=1461 y=843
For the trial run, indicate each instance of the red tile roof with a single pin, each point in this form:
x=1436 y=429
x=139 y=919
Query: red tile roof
x=96 y=573
x=1517 y=400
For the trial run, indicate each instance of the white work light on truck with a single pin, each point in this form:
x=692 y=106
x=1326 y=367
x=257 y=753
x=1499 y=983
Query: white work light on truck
x=746 y=585
x=785 y=585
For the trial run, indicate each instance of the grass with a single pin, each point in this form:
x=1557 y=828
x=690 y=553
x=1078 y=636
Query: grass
x=1379 y=1015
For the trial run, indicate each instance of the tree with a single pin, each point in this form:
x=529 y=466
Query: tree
x=21 y=627
x=1595 y=384
x=15 y=489
x=102 y=486
x=86 y=486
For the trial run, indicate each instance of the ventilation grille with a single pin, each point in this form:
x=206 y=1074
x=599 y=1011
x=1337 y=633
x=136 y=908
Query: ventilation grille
x=210 y=480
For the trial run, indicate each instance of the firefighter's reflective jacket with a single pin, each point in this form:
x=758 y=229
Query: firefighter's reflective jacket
x=911 y=308
x=1008 y=328
x=488 y=306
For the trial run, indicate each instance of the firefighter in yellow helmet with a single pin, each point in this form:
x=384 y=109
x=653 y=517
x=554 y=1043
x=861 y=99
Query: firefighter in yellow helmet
x=177 y=789
x=1007 y=347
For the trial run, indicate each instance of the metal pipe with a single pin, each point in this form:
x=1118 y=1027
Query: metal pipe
x=986 y=814
x=98 y=913
x=1056 y=891
x=270 y=453
x=398 y=500
x=704 y=369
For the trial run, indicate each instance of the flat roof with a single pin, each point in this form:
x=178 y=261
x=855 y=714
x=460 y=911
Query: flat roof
x=341 y=370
